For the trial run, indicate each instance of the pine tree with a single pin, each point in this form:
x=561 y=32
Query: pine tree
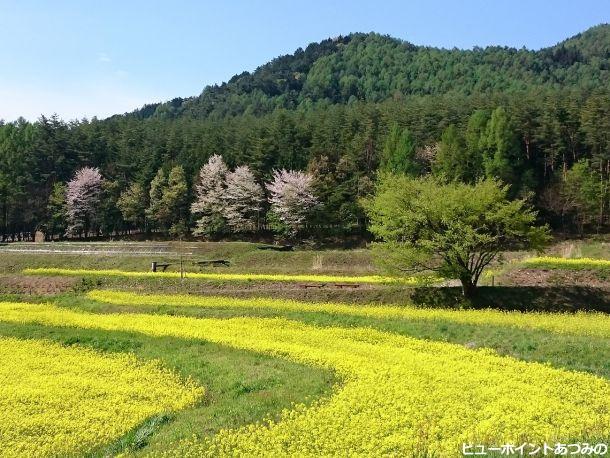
x=501 y=158
x=133 y=204
x=175 y=202
x=155 y=209
x=399 y=153
x=56 y=211
x=596 y=125
x=475 y=138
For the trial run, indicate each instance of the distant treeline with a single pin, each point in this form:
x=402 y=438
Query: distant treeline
x=342 y=110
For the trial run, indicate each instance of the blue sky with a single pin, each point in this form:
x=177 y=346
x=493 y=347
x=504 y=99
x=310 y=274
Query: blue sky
x=97 y=58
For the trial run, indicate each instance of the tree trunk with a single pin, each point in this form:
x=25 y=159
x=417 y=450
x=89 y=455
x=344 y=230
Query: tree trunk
x=468 y=287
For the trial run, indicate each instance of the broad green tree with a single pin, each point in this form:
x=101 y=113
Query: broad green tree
x=454 y=229
x=111 y=219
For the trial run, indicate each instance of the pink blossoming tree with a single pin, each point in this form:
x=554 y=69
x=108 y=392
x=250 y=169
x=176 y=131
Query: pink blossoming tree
x=210 y=196
x=292 y=198
x=83 y=196
x=243 y=199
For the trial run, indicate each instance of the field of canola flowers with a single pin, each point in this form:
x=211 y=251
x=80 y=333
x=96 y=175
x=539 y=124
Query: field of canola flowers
x=589 y=323
x=373 y=279
x=397 y=395
x=549 y=262
x=58 y=401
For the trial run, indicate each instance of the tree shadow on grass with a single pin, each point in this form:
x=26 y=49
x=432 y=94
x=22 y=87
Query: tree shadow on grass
x=521 y=298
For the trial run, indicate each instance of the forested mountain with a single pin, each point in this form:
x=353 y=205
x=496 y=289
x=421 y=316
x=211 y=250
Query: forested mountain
x=342 y=109
x=372 y=67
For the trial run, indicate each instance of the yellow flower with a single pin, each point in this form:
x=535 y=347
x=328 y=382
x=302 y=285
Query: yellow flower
x=233 y=276
x=582 y=323
x=58 y=401
x=398 y=396
x=549 y=262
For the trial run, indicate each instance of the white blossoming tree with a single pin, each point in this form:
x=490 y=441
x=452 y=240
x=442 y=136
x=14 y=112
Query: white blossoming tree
x=292 y=198
x=243 y=199
x=83 y=197
x=210 y=196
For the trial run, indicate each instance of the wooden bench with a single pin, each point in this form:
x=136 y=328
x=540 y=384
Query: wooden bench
x=311 y=285
x=213 y=262
x=347 y=285
x=156 y=265
x=276 y=247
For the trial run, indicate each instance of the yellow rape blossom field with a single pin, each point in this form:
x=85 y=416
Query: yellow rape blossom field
x=58 y=401
x=550 y=262
x=396 y=395
x=582 y=323
x=373 y=279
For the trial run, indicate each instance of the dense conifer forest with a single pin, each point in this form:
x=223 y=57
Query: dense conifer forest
x=342 y=111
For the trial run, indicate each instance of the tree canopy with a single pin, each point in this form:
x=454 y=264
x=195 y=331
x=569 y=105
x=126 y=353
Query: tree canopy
x=455 y=229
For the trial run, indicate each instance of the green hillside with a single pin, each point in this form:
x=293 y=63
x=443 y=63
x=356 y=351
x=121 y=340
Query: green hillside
x=373 y=67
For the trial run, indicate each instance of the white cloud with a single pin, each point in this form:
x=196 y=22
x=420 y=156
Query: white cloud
x=103 y=57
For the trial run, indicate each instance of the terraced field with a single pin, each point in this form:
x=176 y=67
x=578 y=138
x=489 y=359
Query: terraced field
x=392 y=393
x=117 y=361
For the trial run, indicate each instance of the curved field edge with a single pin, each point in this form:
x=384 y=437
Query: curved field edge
x=385 y=405
x=241 y=386
x=583 y=353
x=580 y=323
x=371 y=279
x=79 y=397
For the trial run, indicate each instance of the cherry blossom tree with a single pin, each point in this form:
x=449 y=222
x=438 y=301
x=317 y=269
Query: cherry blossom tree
x=210 y=197
x=291 y=198
x=83 y=196
x=243 y=199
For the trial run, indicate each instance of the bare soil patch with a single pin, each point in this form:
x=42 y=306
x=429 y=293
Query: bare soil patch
x=20 y=284
x=555 y=277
